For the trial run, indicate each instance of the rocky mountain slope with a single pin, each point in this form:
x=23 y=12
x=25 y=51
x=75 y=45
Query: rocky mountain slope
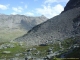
x=60 y=27
x=13 y=26
x=72 y=4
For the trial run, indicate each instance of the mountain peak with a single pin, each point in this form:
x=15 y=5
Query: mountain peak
x=72 y=4
x=42 y=16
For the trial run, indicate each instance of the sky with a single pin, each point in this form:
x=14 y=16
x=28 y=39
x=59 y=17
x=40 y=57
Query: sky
x=48 y=8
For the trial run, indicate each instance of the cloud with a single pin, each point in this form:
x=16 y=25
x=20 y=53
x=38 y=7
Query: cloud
x=49 y=11
x=17 y=9
x=54 y=1
x=29 y=14
x=14 y=13
x=4 y=7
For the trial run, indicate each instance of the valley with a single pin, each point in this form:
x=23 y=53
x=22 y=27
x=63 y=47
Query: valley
x=14 y=26
x=9 y=35
x=39 y=38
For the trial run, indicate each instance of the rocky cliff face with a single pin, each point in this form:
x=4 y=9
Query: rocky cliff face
x=72 y=4
x=63 y=26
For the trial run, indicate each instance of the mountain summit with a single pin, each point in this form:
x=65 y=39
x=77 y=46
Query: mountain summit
x=60 y=27
x=72 y=4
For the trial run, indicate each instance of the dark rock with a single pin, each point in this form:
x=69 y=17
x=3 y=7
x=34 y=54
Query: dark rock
x=43 y=45
x=72 y=4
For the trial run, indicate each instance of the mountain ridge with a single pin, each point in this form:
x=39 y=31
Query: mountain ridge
x=13 y=26
x=72 y=4
x=44 y=31
x=16 y=21
x=57 y=28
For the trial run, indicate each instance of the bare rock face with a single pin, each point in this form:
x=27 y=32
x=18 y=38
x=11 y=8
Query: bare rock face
x=60 y=27
x=72 y=4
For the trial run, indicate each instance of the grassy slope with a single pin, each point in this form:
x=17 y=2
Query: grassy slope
x=7 y=36
x=43 y=49
x=69 y=42
x=10 y=35
x=74 y=54
x=15 y=50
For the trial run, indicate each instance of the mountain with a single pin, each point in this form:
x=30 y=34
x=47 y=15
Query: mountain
x=17 y=25
x=20 y=21
x=72 y=4
x=60 y=27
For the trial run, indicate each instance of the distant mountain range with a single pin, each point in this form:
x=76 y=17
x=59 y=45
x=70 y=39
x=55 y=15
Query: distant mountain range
x=60 y=27
x=13 y=26
x=20 y=21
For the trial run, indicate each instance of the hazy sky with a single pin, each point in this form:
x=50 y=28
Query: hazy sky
x=48 y=8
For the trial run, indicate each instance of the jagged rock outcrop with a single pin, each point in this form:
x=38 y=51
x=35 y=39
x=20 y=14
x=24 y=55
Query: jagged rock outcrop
x=60 y=27
x=72 y=4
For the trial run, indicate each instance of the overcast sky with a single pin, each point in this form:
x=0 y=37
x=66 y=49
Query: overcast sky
x=48 y=8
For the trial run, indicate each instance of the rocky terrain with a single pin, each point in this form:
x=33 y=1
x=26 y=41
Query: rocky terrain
x=60 y=49
x=72 y=4
x=60 y=27
x=13 y=26
x=57 y=38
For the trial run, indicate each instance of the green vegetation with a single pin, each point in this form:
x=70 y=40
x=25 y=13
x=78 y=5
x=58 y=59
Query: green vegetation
x=68 y=42
x=54 y=46
x=71 y=41
x=42 y=49
x=6 y=36
x=75 y=53
x=14 y=50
